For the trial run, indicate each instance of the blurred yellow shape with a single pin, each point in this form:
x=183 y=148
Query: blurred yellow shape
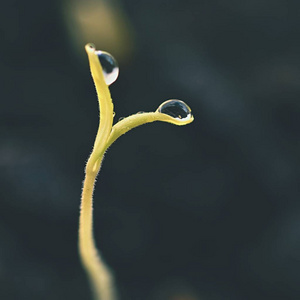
x=103 y=22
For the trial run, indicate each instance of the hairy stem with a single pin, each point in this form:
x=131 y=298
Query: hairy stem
x=101 y=279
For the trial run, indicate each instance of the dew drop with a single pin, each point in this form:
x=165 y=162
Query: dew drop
x=109 y=66
x=91 y=46
x=176 y=109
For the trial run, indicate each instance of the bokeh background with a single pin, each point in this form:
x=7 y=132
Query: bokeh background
x=208 y=211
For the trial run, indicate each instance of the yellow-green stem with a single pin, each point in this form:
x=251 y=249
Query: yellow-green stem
x=99 y=274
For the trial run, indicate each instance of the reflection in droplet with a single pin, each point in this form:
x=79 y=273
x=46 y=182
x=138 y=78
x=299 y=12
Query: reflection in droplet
x=109 y=66
x=176 y=109
x=91 y=46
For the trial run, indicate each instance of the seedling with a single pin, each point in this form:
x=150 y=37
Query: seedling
x=105 y=71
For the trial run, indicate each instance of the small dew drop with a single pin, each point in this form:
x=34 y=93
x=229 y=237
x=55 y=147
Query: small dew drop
x=109 y=66
x=176 y=109
x=91 y=46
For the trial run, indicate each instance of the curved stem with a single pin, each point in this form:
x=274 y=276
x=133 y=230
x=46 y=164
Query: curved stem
x=139 y=119
x=101 y=279
x=99 y=274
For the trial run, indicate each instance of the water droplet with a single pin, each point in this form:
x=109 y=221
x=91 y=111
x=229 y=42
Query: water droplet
x=176 y=109
x=91 y=46
x=109 y=65
x=121 y=118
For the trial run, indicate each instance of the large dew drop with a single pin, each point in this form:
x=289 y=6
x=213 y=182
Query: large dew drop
x=109 y=66
x=176 y=109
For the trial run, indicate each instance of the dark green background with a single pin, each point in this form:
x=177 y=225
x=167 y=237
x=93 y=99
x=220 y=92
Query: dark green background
x=211 y=208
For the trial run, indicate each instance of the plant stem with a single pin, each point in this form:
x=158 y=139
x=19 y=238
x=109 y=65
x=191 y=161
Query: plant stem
x=101 y=279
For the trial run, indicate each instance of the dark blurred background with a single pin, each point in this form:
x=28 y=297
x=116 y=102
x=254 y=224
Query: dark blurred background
x=208 y=211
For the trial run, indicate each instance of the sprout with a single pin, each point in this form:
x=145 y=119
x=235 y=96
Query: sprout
x=171 y=111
